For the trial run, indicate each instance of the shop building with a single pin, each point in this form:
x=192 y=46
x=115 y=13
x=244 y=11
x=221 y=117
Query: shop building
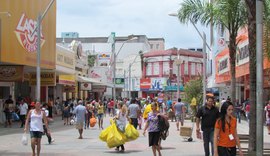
x=18 y=49
x=160 y=71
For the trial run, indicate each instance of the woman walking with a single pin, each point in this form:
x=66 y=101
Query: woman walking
x=121 y=116
x=36 y=117
x=153 y=131
x=100 y=113
x=225 y=135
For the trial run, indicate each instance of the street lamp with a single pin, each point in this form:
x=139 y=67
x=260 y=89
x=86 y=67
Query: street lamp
x=114 y=59
x=203 y=37
x=129 y=76
x=37 y=28
x=178 y=62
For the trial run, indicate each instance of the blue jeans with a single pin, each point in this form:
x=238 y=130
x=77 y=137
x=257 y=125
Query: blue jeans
x=208 y=134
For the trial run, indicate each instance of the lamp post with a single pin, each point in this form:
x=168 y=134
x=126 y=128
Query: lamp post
x=112 y=40
x=178 y=63
x=203 y=37
x=37 y=28
x=129 y=75
x=259 y=78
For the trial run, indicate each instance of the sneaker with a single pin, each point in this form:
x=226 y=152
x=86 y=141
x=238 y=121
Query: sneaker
x=51 y=141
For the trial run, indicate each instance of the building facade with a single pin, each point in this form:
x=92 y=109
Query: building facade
x=160 y=71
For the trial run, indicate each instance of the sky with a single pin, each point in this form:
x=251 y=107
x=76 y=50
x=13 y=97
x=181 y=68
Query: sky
x=98 y=18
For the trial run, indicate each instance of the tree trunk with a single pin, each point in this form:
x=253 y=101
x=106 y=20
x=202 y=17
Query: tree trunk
x=232 y=49
x=251 y=7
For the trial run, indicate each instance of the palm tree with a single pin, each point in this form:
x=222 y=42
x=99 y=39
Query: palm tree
x=230 y=14
x=251 y=9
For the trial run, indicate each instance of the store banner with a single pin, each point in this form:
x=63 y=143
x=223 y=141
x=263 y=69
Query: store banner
x=86 y=86
x=99 y=89
x=19 y=40
x=120 y=81
x=11 y=73
x=65 y=57
x=69 y=89
x=145 y=84
x=104 y=59
x=46 y=79
x=66 y=79
x=158 y=83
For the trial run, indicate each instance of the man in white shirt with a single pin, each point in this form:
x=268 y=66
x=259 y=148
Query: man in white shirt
x=23 y=107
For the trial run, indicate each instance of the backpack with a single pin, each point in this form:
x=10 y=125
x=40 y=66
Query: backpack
x=268 y=111
x=163 y=125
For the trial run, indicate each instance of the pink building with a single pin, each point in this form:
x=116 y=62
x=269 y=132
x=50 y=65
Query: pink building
x=160 y=71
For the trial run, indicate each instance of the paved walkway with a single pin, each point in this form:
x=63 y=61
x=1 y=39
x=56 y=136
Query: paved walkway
x=67 y=144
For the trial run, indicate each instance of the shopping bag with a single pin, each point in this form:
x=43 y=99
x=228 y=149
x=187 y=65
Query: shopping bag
x=93 y=121
x=131 y=133
x=104 y=133
x=15 y=116
x=120 y=125
x=115 y=137
x=24 y=139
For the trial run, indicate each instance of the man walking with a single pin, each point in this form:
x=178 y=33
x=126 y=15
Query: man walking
x=179 y=108
x=207 y=116
x=23 y=107
x=133 y=112
x=80 y=112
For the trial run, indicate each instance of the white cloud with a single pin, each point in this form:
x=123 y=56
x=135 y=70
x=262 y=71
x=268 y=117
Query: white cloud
x=93 y=18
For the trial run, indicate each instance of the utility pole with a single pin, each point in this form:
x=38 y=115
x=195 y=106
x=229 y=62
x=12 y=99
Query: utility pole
x=114 y=65
x=37 y=28
x=204 y=68
x=259 y=78
x=129 y=81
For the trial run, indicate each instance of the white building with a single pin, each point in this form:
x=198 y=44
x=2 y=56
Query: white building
x=126 y=52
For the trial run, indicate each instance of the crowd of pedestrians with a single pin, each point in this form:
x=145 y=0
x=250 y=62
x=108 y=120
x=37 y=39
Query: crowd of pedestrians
x=216 y=123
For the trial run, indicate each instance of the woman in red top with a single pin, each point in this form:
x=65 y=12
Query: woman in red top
x=225 y=135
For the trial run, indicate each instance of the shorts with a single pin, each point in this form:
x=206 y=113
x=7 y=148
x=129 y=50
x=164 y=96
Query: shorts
x=268 y=122
x=100 y=116
x=179 y=118
x=154 y=138
x=36 y=134
x=79 y=125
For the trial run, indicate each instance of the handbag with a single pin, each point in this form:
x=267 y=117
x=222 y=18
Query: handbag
x=24 y=139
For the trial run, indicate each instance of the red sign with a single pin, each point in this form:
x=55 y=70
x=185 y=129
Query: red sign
x=26 y=35
x=145 y=83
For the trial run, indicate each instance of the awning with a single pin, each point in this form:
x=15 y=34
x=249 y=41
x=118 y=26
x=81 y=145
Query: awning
x=87 y=79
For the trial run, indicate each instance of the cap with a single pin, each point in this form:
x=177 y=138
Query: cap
x=32 y=104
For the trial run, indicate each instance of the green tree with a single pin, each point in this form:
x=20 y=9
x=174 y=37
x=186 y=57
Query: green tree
x=193 y=89
x=91 y=60
x=230 y=14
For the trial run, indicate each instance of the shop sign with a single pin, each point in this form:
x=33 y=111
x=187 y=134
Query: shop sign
x=104 y=59
x=67 y=79
x=223 y=65
x=46 y=79
x=20 y=39
x=158 y=83
x=11 y=73
x=85 y=86
x=65 y=58
x=174 y=88
x=242 y=55
x=26 y=35
x=99 y=89
x=69 y=89
x=145 y=84
x=119 y=81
